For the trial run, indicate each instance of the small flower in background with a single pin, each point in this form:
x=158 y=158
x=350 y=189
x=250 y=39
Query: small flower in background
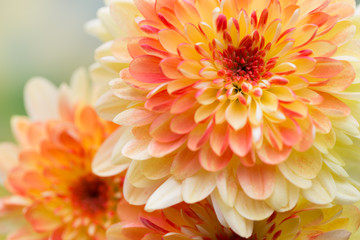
x=199 y=221
x=54 y=194
x=254 y=103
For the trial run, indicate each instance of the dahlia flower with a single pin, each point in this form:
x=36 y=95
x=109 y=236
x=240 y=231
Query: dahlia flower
x=198 y=221
x=253 y=103
x=53 y=192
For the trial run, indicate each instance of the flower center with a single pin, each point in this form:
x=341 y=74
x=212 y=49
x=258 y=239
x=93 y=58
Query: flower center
x=90 y=194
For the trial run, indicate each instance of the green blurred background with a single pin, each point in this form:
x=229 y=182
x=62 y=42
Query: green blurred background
x=40 y=38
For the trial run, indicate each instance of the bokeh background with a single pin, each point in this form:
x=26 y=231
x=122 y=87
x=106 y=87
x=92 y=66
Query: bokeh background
x=40 y=38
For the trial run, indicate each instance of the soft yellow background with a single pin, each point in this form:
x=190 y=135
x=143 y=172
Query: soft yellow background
x=40 y=38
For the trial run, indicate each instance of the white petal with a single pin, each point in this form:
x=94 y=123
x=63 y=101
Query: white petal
x=79 y=85
x=8 y=159
x=323 y=189
x=237 y=223
x=252 y=209
x=41 y=99
x=102 y=164
x=137 y=196
x=168 y=194
x=346 y=193
x=198 y=186
x=285 y=195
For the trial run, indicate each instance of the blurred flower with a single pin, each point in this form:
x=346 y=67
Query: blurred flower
x=54 y=194
x=198 y=221
x=251 y=102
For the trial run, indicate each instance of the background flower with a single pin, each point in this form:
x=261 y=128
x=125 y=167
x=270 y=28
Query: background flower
x=49 y=174
x=246 y=101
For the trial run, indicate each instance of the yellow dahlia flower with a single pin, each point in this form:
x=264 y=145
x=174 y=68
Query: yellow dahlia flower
x=198 y=221
x=54 y=194
x=252 y=102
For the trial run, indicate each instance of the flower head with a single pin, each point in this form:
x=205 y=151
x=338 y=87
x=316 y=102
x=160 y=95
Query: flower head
x=50 y=179
x=240 y=100
x=198 y=221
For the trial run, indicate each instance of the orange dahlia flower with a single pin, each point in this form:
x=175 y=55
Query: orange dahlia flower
x=54 y=194
x=198 y=221
x=251 y=102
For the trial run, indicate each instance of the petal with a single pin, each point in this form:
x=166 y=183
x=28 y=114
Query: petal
x=158 y=149
x=212 y=162
x=332 y=106
x=198 y=186
x=135 y=117
x=170 y=40
x=227 y=187
x=326 y=68
x=346 y=193
x=322 y=190
x=41 y=218
x=40 y=99
x=137 y=196
x=258 y=182
x=102 y=164
x=185 y=164
x=168 y=194
x=146 y=68
x=240 y=141
x=236 y=115
x=252 y=209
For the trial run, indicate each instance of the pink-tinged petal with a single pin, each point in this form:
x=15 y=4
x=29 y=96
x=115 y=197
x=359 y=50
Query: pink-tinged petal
x=308 y=96
x=332 y=106
x=146 y=8
x=258 y=182
x=252 y=209
x=169 y=67
x=42 y=219
x=219 y=138
x=326 y=68
x=321 y=121
x=135 y=117
x=185 y=164
x=199 y=135
x=153 y=47
x=295 y=109
x=126 y=232
x=134 y=48
x=290 y=132
x=322 y=48
x=304 y=34
x=170 y=40
x=183 y=103
x=183 y=123
x=212 y=162
x=160 y=102
x=186 y=12
x=168 y=194
x=296 y=82
x=198 y=186
x=307 y=135
x=270 y=155
x=339 y=234
x=190 y=69
x=158 y=149
x=240 y=141
x=236 y=115
x=249 y=160
x=160 y=129
x=147 y=69
x=342 y=80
